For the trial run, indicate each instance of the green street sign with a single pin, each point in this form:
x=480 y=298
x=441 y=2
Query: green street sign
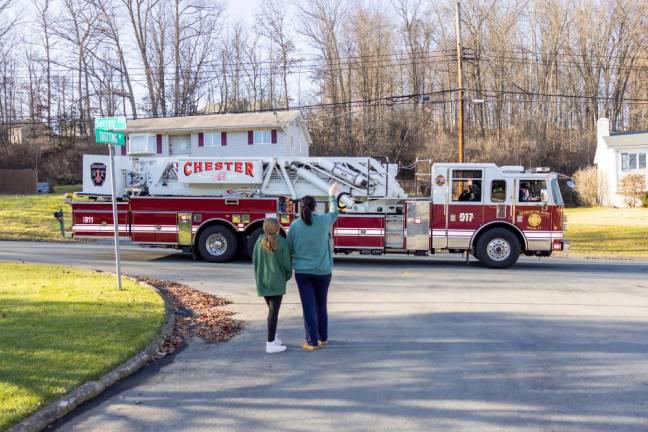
x=110 y=123
x=114 y=138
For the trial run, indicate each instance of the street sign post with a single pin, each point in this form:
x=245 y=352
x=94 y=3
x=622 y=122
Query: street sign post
x=106 y=132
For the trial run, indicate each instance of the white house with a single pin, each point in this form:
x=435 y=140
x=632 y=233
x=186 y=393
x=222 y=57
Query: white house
x=618 y=154
x=276 y=134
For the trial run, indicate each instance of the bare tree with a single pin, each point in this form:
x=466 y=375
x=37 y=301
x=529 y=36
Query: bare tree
x=196 y=29
x=76 y=26
x=109 y=27
x=273 y=25
x=140 y=14
x=43 y=22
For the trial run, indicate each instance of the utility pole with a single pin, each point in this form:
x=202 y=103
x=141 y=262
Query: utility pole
x=460 y=89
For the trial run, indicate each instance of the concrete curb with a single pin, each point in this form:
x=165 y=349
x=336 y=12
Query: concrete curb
x=603 y=257
x=62 y=406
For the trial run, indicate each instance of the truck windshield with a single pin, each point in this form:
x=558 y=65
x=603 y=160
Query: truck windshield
x=555 y=191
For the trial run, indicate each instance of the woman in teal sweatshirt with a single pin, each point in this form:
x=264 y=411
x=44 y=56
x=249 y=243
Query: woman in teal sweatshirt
x=272 y=269
x=313 y=261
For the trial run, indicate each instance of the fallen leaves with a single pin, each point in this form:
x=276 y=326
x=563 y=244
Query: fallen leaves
x=196 y=314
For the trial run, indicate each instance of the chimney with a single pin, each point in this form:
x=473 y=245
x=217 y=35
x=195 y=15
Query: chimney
x=602 y=130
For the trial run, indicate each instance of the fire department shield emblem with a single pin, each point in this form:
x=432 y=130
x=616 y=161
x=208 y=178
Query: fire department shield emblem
x=98 y=173
x=440 y=180
x=534 y=220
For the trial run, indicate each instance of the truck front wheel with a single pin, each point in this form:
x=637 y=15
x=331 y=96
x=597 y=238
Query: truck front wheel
x=217 y=244
x=498 y=248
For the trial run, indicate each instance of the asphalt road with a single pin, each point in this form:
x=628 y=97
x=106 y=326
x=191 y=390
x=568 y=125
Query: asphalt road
x=427 y=344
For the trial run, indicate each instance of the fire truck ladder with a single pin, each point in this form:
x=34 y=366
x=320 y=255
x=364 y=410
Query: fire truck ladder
x=365 y=178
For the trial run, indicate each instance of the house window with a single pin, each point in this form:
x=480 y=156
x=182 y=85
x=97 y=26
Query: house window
x=142 y=143
x=179 y=144
x=633 y=161
x=212 y=139
x=467 y=185
x=262 y=137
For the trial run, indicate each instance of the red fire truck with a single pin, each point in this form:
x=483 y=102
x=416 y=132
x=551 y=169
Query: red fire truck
x=214 y=207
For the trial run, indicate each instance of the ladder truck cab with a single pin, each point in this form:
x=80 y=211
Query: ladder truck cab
x=215 y=207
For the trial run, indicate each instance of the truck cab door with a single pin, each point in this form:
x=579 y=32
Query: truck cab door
x=532 y=215
x=499 y=199
x=465 y=206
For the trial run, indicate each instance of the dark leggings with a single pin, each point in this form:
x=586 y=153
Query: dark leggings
x=274 y=303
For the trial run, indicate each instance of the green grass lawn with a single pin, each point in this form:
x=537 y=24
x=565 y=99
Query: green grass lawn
x=30 y=217
x=61 y=327
x=608 y=231
x=67 y=188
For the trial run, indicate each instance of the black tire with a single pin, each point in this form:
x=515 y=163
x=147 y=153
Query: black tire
x=223 y=247
x=498 y=248
x=251 y=241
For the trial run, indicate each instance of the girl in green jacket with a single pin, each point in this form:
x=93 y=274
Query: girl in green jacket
x=272 y=269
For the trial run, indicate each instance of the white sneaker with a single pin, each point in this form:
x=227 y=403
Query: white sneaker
x=277 y=340
x=272 y=347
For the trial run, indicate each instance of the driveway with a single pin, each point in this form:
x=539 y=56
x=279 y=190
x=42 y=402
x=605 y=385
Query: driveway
x=416 y=344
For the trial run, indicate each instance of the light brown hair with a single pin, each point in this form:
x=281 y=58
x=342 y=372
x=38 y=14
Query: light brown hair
x=270 y=231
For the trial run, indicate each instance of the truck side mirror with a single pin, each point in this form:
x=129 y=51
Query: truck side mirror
x=544 y=196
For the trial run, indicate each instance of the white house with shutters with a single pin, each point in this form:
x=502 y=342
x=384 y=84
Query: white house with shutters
x=275 y=134
x=618 y=154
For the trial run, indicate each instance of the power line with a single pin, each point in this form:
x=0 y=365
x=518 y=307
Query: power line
x=337 y=62
x=388 y=101
x=495 y=93
x=414 y=98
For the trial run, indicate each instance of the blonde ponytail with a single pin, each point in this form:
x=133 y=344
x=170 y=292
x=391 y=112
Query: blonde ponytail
x=270 y=231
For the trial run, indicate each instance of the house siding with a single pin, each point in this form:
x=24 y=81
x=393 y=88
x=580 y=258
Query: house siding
x=237 y=142
x=608 y=161
x=237 y=145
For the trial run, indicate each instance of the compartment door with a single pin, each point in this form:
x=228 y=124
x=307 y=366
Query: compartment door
x=418 y=226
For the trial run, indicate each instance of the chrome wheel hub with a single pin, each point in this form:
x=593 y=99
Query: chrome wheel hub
x=498 y=249
x=216 y=244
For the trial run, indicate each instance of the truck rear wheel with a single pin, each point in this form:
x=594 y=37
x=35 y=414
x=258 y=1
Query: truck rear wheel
x=498 y=248
x=217 y=244
x=251 y=241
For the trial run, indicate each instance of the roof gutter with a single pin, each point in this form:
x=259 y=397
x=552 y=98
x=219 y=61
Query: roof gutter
x=202 y=128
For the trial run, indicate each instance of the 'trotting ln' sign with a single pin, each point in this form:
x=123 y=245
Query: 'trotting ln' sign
x=106 y=137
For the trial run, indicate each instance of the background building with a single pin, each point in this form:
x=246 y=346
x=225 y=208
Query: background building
x=276 y=134
x=618 y=154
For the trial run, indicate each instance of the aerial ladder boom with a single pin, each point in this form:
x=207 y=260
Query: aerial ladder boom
x=363 y=181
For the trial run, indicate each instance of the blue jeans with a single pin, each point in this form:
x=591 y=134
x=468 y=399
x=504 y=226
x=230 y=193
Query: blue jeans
x=313 y=290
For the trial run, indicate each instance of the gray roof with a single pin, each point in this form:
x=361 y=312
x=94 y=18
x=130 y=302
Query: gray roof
x=238 y=121
x=629 y=132
x=617 y=140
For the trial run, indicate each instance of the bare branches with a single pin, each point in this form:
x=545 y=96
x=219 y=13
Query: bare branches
x=378 y=80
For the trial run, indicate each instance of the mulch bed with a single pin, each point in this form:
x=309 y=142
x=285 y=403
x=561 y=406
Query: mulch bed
x=196 y=314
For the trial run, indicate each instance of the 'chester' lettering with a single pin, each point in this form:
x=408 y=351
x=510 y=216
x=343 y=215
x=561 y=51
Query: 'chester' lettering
x=247 y=168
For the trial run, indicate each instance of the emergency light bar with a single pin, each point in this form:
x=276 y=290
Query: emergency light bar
x=539 y=170
x=512 y=169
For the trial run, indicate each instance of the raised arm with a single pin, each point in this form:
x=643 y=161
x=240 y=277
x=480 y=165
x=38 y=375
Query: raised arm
x=332 y=214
